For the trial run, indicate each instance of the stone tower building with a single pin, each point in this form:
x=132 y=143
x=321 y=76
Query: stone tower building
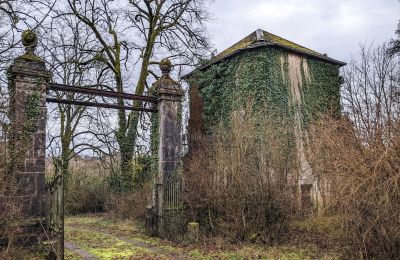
x=292 y=81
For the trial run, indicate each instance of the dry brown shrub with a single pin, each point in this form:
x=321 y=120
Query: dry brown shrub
x=130 y=205
x=8 y=209
x=364 y=185
x=359 y=155
x=85 y=185
x=88 y=190
x=237 y=179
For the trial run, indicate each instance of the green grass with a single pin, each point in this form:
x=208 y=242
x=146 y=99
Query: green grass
x=258 y=252
x=329 y=226
x=103 y=246
x=69 y=255
x=119 y=228
x=108 y=238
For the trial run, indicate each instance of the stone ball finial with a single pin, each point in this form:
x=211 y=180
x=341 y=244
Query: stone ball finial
x=165 y=66
x=29 y=40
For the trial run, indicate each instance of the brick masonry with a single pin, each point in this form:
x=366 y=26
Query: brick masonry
x=25 y=177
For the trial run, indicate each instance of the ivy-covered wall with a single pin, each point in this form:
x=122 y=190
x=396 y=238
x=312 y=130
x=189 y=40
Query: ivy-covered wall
x=294 y=89
x=263 y=75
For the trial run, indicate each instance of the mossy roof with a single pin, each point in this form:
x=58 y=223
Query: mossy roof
x=261 y=38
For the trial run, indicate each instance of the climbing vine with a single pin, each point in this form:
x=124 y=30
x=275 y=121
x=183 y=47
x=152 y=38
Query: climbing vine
x=32 y=113
x=293 y=90
x=257 y=74
x=154 y=137
x=30 y=124
x=10 y=79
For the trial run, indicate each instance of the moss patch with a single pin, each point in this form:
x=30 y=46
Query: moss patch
x=29 y=57
x=330 y=226
x=70 y=255
x=103 y=246
x=108 y=247
x=269 y=38
x=77 y=227
x=258 y=252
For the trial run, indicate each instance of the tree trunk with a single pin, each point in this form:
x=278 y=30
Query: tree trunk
x=127 y=132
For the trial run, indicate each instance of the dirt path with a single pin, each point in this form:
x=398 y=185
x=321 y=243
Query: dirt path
x=136 y=243
x=84 y=254
x=98 y=236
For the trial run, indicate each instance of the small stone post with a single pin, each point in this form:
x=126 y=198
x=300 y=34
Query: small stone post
x=28 y=78
x=193 y=232
x=169 y=151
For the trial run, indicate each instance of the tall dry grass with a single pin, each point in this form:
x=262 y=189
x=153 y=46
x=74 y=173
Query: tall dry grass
x=237 y=181
x=359 y=155
x=85 y=185
x=89 y=188
x=364 y=181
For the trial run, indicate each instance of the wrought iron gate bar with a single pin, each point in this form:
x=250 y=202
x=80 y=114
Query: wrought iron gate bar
x=97 y=92
x=94 y=104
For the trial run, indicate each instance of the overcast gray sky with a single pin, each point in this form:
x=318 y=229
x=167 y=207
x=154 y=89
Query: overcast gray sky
x=335 y=27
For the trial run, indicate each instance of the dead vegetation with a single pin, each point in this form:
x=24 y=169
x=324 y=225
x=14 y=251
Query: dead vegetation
x=237 y=184
x=364 y=186
x=359 y=155
x=89 y=188
x=13 y=232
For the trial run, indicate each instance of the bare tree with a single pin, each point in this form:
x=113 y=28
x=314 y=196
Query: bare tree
x=371 y=94
x=16 y=16
x=395 y=43
x=73 y=129
x=358 y=154
x=151 y=29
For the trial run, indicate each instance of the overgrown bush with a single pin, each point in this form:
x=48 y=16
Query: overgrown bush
x=359 y=155
x=237 y=184
x=85 y=193
x=142 y=173
x=130 y=205
x=92 y=187
x=364 y=185
x=85 y=185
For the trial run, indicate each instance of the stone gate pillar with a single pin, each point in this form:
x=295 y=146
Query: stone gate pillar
x=169 y=151
x=28 y=79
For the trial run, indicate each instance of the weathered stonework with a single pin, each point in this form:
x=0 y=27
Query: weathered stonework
x=26 y=172
x=169 y=151
x=292 y=84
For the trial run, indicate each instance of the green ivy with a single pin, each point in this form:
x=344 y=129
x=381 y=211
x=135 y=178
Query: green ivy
x=32 y=113
x=30 y=125
x=11 y=84
x=154 y=138
x=256 y=74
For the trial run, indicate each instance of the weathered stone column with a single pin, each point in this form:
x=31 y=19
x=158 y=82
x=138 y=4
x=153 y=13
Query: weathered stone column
x=169 y=150
x=28 y=79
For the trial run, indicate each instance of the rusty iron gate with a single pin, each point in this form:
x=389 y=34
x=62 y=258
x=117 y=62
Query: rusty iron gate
x=56 y=187
x=30 y=79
